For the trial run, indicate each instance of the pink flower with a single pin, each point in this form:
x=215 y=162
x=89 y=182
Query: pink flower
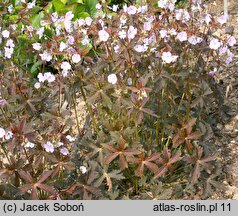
x=194 y=40
x=37 y=85
x=103 y=35
x=49 y=77
x=41 y=77
x=182 y=15
x=131 y=10
x=182 y=36
x=207 y=18
x=88 y=21
x=64 y=151
x=76 y=58
x=214 y=44
x=8 y=52
x=231 y=41
x=223 y=50
x=63 y=46
x=36 y=46
x=5 y=34
x=10 y=43
x=212 y=72
x=230 y=58
x=131 y=33
x=122 y=34
x=65 y=66
x=140 y=48
x=163 y=33
x=45 y=56
x=49 y=147
x=98 y=6
x=222 y=19
x=116 y=48
x=147 y=26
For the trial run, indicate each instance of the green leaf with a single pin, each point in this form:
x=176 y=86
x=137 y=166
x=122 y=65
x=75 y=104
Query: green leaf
x=76 y=1
x=35 y=67
x=83 y=15
x=90 y=6
x=36 y=20
x=58 y=5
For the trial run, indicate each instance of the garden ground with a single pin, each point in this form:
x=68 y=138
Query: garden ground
x=226 y=135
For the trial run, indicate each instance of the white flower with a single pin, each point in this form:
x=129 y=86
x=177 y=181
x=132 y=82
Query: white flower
x=214 y=44
x=29 y=145
x=231 y=41
x=8 y=52
x=123 y=20
x=37 y=85
x=172 y=31
x=69 y=15
x=31 y=4
x=168 y=57
x=222 y=19
x=62 y=46
x=83 y=169
x=45 y=56
x=103 y=35
x=147 y=26
x=36 y=46
x=114 y=8
x=140 y=48
x=64 y=151
x=85 y=41
x=88 y=21
x=2 y=132
x=70 y=138
x=65 y=66
x=131 y=33
x=182 y=15
x=182 y=36
x=8 y=135
x=163 y=33
x=6 y=33
x=131 y=10
x=98 y=6
x=49 y=147
x=40 y=32
x=49 y=77
x=70 y=40
x=76 y=58
x=112 y=78
x=41 y=77
x=116 y=48
x=122 y=34
x=10 y=8
x=194 y=40
x=60 y=144
x=10 y=43
x=223 y=50
x=207 y=18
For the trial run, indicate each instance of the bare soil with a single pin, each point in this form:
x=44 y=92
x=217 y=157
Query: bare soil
x=226 y=135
